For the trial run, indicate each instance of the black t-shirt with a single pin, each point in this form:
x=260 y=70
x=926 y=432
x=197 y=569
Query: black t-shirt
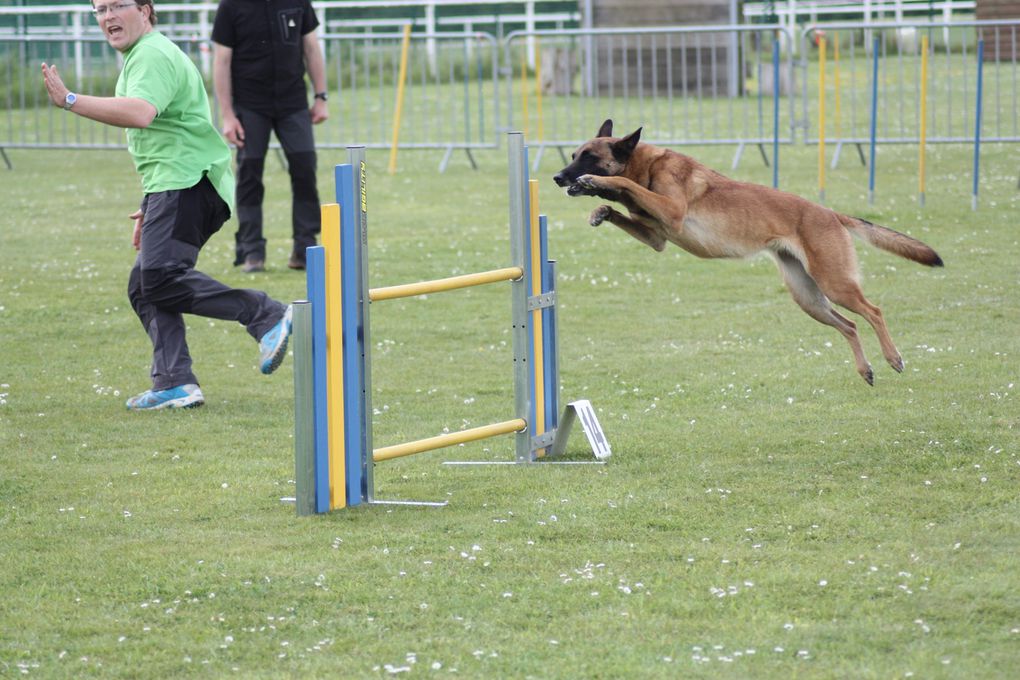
x=267 y=68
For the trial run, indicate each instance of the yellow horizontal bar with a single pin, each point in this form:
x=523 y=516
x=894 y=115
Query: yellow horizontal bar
x=439 y=285
x=451 y=439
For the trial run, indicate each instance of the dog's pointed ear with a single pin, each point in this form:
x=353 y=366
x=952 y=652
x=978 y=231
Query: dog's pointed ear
x=607 y=129
x=623 y=149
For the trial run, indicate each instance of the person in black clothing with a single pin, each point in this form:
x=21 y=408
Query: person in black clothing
x=262 y=49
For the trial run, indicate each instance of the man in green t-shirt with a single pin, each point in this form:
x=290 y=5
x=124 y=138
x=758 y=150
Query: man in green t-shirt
x=188 y=193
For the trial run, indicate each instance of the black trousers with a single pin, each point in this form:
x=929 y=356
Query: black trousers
x=294 y=132
x=164 y=284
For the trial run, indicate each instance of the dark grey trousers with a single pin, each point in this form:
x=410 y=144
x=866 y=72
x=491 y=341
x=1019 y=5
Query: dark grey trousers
x=164 y=284
x=294 y=131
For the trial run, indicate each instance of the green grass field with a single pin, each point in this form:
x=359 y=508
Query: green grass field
x=765 y=514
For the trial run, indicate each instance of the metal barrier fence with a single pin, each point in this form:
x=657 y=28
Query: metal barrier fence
x=452 y=101
x=87 y=64
x=952 y=66
x=685 y=85
x=691 y=85
x=733 y=85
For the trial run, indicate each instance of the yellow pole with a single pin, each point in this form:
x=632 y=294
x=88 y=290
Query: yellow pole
x=538 y=367
x=538 y=91
x=821 y=118
x=399 y=109
x=924 y=113
x=440 y=285
x=334 y=358
x=451 y=439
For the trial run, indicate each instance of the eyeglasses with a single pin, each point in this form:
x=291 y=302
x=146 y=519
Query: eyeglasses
x=100 y=11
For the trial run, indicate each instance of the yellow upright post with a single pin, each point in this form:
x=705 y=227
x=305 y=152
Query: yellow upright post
x=399 y=107
x=334 y=357
x=924 y=115
x=821 y=119
x=538 y=368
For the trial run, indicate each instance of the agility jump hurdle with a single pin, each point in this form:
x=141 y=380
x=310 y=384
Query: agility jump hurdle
x=334 y=454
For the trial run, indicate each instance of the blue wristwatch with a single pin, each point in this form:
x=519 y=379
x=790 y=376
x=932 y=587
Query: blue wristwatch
x=69 y=99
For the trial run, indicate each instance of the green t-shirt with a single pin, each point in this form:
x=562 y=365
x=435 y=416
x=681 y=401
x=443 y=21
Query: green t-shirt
x=181 y=144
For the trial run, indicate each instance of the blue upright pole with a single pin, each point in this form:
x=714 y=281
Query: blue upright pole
x=549 y=330
x=316 y=284
x=977 y=123
x=874 y=118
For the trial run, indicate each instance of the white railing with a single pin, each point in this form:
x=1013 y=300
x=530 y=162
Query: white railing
x=791 y=13
x=524 y=13
x=811 y=11
x=76 y=22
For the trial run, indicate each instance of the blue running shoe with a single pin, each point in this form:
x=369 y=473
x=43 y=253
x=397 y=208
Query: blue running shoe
x=273 y=345
x=182 y=396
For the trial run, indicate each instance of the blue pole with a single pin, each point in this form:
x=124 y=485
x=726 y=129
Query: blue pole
x=977 y=123
x=874 y=119
x=775 y=113
x=761 y=100
x=548 y=330
x=354 y=350
x=316 y=284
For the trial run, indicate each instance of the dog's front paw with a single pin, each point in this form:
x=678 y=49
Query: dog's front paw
x=585 y=185
x=599 y=215
x=596 y=185
x=582 y=186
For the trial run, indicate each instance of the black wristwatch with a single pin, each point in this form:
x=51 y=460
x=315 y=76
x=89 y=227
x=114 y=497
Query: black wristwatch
x=321 y=95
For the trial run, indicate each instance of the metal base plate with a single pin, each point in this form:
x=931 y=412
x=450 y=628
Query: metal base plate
x=539 y=461
x=427 y=504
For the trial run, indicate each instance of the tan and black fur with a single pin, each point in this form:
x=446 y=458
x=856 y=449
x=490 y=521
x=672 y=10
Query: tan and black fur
x=673 y=198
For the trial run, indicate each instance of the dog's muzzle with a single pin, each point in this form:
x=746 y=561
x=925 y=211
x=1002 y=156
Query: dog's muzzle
x=573 y=188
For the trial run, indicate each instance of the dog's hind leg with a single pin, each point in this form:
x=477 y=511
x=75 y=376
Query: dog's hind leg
x=834 y=269
x=605 y=213
x=846 y=292
x=809 y=296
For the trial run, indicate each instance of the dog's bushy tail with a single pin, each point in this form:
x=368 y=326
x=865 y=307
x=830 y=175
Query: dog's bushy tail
x=892 y=241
